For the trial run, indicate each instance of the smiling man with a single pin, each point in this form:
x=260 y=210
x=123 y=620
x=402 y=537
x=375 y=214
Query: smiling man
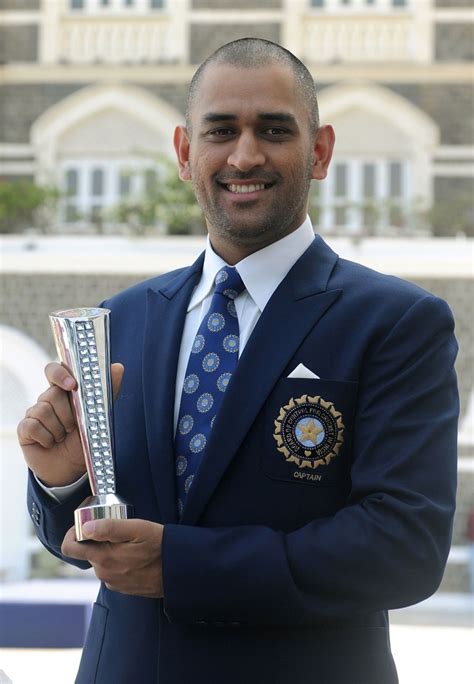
x=285 y=428
x=252 y=147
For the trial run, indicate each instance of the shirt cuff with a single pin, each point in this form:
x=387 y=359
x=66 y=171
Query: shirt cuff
x=60 y=494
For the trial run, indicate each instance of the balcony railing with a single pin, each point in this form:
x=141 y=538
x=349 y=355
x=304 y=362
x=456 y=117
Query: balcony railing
x=117 y=40
x=359 y=39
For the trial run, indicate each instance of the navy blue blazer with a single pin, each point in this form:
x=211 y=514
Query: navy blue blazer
x=282 y=569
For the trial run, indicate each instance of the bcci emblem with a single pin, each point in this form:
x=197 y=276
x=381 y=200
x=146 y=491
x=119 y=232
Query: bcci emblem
x=309 y=432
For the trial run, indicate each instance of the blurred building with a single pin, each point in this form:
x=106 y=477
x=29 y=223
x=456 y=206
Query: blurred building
x=90 y=92
x=92 y=89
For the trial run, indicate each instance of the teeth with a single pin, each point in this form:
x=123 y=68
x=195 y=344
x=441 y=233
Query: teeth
x=245 y=188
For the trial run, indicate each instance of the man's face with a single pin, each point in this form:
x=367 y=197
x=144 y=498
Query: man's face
x=250 y=155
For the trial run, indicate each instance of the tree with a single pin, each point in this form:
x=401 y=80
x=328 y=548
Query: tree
x=452 y=216
x=22 y=203
x=165 y=200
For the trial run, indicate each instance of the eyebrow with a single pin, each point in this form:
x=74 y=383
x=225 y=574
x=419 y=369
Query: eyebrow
x=280 y=117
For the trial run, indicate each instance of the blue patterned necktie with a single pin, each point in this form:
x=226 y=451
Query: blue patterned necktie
x=211 y=363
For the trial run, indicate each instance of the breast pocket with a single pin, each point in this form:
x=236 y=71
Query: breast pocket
x=309 y=425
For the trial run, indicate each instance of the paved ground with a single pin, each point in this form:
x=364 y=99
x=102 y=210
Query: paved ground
x=424 y=655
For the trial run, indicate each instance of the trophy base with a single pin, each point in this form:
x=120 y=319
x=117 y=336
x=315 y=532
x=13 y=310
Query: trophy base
x=101 y=507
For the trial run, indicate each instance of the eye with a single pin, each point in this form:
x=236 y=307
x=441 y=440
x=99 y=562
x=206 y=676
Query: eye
x=220 y=132
x=276 y=132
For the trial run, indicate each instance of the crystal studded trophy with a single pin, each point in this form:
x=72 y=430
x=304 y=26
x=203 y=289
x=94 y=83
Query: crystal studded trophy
x=82 y=343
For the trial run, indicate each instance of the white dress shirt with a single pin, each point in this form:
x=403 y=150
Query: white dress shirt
x=262 y=272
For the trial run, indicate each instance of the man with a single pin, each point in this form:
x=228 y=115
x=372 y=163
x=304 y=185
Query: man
x=309 y=488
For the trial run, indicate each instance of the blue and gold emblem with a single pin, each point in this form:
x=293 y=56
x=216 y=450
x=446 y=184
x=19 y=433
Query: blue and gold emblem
x=309 y=431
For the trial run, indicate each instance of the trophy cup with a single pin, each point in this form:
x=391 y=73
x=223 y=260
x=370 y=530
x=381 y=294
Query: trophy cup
x=82 y=343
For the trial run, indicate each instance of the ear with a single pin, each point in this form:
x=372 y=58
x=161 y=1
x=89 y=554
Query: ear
x=323 y=148
x=181 y=145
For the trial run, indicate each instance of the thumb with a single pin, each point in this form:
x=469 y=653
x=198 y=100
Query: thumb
x=116 y=371
x=114 y=531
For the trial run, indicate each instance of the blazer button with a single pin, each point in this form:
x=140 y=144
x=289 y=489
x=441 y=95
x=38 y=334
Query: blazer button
x=35 y=514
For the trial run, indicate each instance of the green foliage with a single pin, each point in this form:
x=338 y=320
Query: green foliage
x=377 y=217
x=165 y=200
x=45 y=566
x=21 y=203
x=452 y=216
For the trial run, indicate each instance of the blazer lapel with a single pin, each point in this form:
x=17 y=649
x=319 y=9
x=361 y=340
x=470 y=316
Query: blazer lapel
x=294 y=309
x=165 y=316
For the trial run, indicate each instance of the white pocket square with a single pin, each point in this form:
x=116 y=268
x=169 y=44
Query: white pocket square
x=302 y=372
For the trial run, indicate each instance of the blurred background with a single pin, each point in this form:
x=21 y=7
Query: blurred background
x=90 y=202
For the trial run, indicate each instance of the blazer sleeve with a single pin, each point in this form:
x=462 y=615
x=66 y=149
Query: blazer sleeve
x=388 y=546
x=52 y=519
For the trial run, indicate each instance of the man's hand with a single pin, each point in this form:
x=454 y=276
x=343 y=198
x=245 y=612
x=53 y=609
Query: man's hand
x=48 y=433
x=125 y=554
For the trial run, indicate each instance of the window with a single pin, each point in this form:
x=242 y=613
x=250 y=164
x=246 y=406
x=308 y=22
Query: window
x=363 y=196
x=72 y=192
x=116 y=6
x=125 y=184
x=93 y=188
x=353 y=5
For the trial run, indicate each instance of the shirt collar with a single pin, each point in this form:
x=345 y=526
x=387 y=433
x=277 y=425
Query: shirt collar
x=262 y=271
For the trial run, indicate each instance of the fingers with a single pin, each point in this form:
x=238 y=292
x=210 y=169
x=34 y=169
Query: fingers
x=31 y=431
x=110 y=530
x=69 y=540
x=86 y=551
x=48 y=421
x=116 y=371
x=61 y=406
x=58 y=401
x=74 y=549
x=127 y=567
x=117 y=531
x=52 y=417
x=58 y=375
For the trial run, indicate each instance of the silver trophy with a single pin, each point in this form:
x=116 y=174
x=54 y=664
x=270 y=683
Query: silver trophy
x=82 y=343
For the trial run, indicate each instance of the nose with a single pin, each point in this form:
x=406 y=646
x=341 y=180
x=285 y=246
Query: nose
x=247 y=153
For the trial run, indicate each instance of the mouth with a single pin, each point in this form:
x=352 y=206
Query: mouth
x=247 y=190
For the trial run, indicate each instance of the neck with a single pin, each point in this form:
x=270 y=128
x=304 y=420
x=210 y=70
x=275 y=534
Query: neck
x=231 y=253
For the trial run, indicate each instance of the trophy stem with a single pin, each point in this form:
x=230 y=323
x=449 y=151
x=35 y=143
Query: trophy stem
x=83 y=345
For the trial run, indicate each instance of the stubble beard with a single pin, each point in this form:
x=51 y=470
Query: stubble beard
x=281 y=218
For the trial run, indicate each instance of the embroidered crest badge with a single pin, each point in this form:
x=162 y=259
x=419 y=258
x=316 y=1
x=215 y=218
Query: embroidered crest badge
x=309 y=432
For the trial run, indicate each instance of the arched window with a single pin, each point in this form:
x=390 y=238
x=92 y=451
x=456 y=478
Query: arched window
x=379 y=179
x=101 y=145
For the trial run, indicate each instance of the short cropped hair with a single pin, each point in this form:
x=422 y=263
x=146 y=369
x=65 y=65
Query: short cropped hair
x=254 y=53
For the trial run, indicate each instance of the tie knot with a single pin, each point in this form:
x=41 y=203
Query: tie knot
x=228 y=282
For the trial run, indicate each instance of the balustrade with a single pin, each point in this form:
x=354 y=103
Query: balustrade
x=116 y=40
x=356 y=39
